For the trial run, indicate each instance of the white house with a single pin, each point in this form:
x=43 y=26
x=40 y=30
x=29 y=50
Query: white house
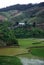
x=22 y=24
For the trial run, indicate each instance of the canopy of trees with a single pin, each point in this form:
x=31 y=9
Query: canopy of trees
x=7 y=37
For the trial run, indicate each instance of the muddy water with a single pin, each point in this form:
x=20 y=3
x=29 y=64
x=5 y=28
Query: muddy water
x=26 y=61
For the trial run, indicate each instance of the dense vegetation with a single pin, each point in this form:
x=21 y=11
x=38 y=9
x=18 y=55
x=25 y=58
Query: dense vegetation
x=7 y=37
x=8 y=33
x=9 y=60
x=29 y=32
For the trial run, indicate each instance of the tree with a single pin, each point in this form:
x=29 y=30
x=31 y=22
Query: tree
x=25 y=22
x=34 y=24
x=16 y=23
x=7 y=35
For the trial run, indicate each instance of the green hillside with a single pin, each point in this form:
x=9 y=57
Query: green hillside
x=30 y=15
x=34 y=14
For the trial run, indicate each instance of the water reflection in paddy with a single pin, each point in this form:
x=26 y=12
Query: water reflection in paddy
x=26 y=61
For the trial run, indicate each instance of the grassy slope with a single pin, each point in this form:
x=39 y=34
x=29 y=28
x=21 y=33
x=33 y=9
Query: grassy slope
x=9 y=60
x=38 y=52
x=25 y=43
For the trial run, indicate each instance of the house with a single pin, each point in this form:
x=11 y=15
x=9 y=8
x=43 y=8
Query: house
x=22 y=24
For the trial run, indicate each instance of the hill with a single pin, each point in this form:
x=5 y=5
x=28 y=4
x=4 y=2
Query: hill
x=22 y=7
x=32 y=17
x=22 y=13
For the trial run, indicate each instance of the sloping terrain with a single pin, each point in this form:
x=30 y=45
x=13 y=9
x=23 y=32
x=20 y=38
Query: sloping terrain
x=22 y=13
x=30 y=14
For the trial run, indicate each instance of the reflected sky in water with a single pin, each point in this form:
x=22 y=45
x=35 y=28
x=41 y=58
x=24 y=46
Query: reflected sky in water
x=26 y=61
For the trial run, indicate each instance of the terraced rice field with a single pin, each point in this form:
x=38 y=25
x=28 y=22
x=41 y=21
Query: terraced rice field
x=9 y=56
